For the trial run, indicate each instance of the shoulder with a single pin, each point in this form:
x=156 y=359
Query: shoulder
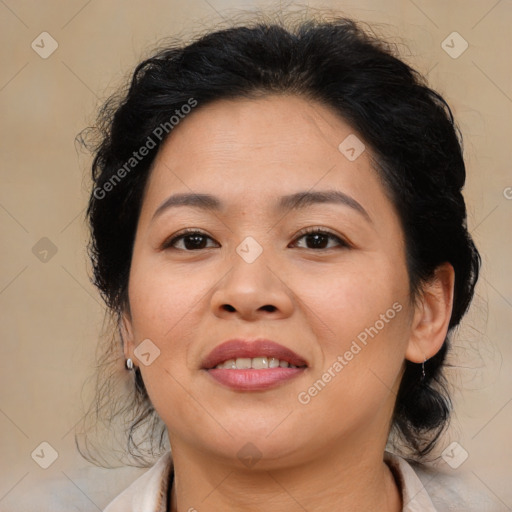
x=147 y=493
x=443 y=491
x=456 y=491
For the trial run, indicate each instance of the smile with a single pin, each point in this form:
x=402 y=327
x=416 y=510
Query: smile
x=252 y=365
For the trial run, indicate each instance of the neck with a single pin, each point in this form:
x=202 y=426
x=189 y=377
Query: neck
x=332 y=481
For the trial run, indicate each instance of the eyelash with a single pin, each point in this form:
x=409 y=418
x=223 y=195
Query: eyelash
x=168 y=244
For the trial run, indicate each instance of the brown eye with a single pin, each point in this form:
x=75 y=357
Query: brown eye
x=192 y=240
x=320 y=239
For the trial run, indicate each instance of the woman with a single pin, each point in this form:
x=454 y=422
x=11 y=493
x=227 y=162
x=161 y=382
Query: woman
x=278 y=227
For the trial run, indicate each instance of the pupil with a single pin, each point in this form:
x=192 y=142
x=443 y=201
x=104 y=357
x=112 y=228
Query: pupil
x=318 y=239
x=196 y=241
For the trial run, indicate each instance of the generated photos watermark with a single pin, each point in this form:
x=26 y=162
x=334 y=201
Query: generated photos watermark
x=361 y=341
x=150 y=143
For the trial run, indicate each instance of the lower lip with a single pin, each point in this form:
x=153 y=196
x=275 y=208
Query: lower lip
x=254 y=380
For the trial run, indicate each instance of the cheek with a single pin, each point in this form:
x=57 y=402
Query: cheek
x=163 y=311
x=354 y=297
x=362 y=362
x=362 y=326
x=159 y=298
x=162 y=307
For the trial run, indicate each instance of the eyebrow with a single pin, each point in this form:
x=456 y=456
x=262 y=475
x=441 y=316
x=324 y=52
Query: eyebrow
x=295 y=201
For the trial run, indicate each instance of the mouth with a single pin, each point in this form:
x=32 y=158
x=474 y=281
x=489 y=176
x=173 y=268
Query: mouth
x=238 y=354
x=253 y=365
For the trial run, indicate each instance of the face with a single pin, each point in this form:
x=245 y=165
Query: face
x=323 y=276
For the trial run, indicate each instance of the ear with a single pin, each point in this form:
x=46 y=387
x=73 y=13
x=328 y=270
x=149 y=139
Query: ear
x=126 y=331
x=432 y=315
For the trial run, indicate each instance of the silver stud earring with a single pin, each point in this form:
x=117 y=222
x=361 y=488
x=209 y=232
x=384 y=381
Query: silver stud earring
x=129 y=364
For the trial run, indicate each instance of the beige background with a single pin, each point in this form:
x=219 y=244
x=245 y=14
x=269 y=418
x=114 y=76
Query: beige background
x=51 y=316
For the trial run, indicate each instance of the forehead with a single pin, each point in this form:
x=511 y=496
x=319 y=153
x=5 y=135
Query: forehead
x=261 y=126
x=267 y=147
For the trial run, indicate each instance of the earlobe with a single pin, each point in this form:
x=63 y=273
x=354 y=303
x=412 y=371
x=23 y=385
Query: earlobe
x=432 y=315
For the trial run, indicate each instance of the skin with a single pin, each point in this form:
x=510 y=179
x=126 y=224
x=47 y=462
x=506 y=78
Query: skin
x=324 y=455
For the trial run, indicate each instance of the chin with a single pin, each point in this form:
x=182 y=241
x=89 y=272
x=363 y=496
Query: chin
x=251 y=444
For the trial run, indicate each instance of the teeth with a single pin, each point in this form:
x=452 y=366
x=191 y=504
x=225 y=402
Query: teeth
x=243 y=363
x=256 y=363
x=273 y=362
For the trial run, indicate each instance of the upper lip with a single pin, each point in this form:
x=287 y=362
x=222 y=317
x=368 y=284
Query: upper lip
x=235 y=348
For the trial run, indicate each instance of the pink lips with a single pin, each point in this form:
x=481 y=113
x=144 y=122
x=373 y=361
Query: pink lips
x=252 y=379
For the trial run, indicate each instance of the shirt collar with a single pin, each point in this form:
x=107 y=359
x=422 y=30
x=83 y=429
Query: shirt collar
x=414 y=495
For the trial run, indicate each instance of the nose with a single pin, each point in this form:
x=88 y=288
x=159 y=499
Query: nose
x=252 y=291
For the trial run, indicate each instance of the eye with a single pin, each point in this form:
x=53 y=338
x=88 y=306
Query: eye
x=193 y=240
x=320 y=238
x=190 y=240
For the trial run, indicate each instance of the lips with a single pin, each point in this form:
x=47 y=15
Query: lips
x=250 y=373
x=238 y=348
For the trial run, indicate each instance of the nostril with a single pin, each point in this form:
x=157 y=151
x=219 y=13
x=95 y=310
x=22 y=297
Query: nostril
x=268 y=307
